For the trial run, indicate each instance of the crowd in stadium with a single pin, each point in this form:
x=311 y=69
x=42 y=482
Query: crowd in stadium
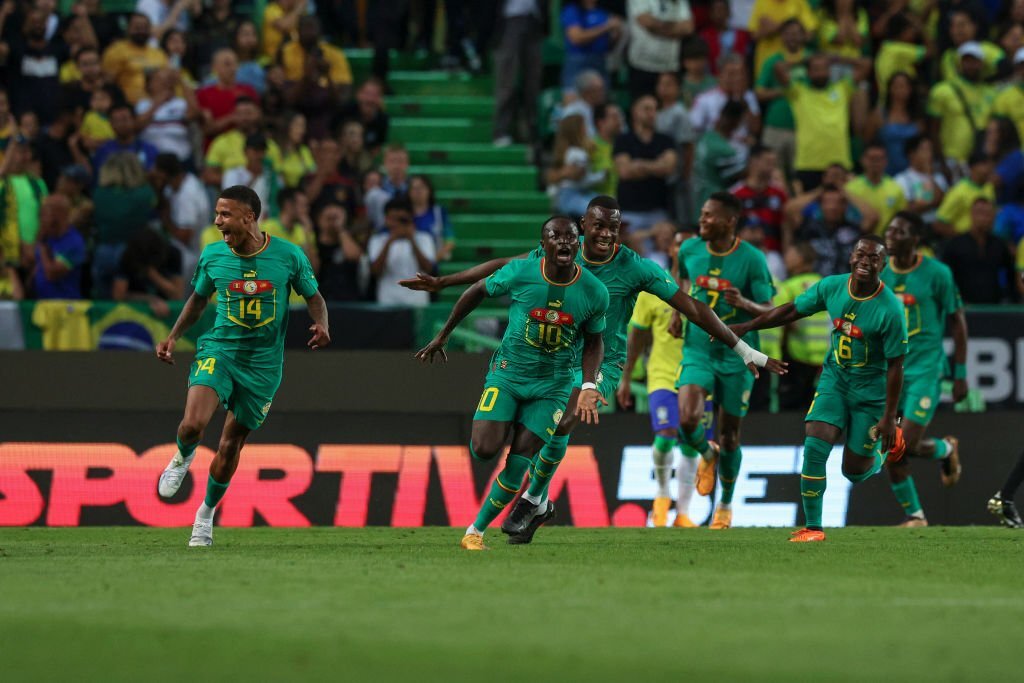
x=824 y=118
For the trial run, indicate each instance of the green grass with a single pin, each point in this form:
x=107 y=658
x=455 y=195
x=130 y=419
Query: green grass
x=134 y=604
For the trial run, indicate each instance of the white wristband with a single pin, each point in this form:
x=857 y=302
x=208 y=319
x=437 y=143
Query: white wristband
x=749 y=355
x=588 y=385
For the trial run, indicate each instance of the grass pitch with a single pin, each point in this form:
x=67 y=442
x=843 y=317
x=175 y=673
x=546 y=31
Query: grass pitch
x=133 y=604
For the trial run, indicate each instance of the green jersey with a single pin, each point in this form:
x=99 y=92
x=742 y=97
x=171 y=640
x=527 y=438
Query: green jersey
x=252 y=298
x=546 y=320
x=743 y=267
x=929 y=297
x=866 y=332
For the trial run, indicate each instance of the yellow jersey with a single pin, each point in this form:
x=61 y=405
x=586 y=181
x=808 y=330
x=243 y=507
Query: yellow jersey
x=651 y=313
x=128 y=64
x=228 y=151
x=896 y=57
x=1010 y=104
x=956 y=131
x=293 y=59
x=955 y=208
x=886 y=198
x=822 y=117
x=778 y=11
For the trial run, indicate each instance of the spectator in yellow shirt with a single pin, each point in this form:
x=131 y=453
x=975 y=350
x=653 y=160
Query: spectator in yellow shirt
x=766 y=22
x=127 y=61
x=960 y=109
x=227 y=150
x=1010 y=100
x=954 y=214
x=962 y=30
x=334 y=65
x=280 y=19
x=876 y=188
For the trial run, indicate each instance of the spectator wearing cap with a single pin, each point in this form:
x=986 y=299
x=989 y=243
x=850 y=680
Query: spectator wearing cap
x=1010 y=100
x=778 y=115
x=982 y=264
x=128 y=60
x=184 y=207
x=656 y=28
x=644 y=159
x=60 y=253
x=767 y=20
x=590 y=32
x=960 y=108
x=963 y=29
x=227 y=150
x=217 y=100
x=257 y=173
x=590 y=91
x=518 y=57
x=399 y=253
x=954 y=213
x=875 y=187
x=123 y=121
x=733 y=86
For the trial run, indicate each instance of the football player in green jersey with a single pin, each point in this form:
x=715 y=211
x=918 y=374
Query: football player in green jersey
x=930 y=299
x=732 y=277
x=238 y=361
x=557 y=307
x=625 y=273
x=859 y=389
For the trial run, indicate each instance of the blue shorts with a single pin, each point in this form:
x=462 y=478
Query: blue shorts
x=664 y=406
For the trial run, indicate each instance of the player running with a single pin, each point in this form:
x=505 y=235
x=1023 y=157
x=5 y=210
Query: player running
x=930 y=298
x=556 y=304
x=625 y=273
x=238 y=361
x=859 y=389
x=732 y=277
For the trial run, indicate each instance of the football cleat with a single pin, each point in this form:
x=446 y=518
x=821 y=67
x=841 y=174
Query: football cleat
x=683 y=521
x=202 y=533
x=722 y=518
x=913 y=522
x=899 y=447
x=473 y=542
x=806 y=536
x=706 y=471
x=174 y=474
x=1006 y=511
x=659 y=511
x=520 y=517
x=950 y=465
x=538 y=519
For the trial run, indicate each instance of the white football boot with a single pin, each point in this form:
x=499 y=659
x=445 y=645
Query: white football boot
x=174 y=474
x=202 y=533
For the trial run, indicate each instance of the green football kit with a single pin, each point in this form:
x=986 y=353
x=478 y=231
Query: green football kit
x=531 y=374
x=242 y=355
x=929 y=297
x=712 y=365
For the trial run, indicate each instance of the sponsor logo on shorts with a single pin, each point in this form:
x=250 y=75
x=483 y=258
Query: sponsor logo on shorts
x=746 y=397
x=556 y=416
x=662 y=414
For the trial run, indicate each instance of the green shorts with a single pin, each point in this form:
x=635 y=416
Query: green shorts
x=853 y=413
x=920 y=398
x=608 y=377
x=246 y=392
x=538 y=405
x=731 y=390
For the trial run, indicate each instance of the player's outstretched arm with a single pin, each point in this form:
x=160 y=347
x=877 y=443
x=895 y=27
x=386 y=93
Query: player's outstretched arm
x=593 y=354
x=425 y=282
x=776 y=317
x=886 y=427
x=469 y=300
x=958 y=321
x=320 y=328
x=192 y=311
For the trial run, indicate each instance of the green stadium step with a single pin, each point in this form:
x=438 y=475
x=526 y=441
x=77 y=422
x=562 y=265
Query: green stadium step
x=439 y=83
x=361 y=59
x=486 y=249
x=480 y=154
x=480 y=177
x=410 y=130
x=521 y=227
x=499 y=202
x=466 y=106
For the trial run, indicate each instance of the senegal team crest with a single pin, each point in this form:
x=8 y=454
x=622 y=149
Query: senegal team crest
x=926 y=402
x=250 y=287
x=556 y=416
x=551 y=316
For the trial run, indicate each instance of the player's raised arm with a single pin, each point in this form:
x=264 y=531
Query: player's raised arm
x=425 y=282
x=469 y=300
x=191 y=313
x=593 y=354
x=320 y=328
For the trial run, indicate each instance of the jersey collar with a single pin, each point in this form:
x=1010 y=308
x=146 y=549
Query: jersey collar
x=911 y=269
x=266 y=243
x=560 y=284
x=849 y=290
x=734 y=247
x=615 y=252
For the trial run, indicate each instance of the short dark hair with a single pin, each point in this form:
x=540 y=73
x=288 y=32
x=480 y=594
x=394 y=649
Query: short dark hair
x=790 y=22
x=829 y=187
x=398 y=203
x=287 y=194
x=694 y=47
x=84 y=49
x=117 y=106
x=603 y=201
x=759 y=149
x=982 y=200
x=132 y=15
x=874 y=143
x=915 y=220
x=169 y=163
x=978 y=156
x=245 y=99
x=673 y=74
x=733 y=111
x=733 y=205
x=873 y=238
x=601 y=110
x=243 y=195
x=911 y=145
x=558 y=217
x=256 y=141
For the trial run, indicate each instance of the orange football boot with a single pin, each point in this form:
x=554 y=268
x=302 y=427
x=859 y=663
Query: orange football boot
x=706 y=471
x=806 y=536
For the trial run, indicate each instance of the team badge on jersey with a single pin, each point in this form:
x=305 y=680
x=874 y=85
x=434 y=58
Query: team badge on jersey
x=250 y=287
x=551 y=316
x=848 y=328
x=714 y=283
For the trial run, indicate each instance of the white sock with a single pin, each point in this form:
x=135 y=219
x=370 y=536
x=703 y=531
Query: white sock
x=686 y=473
x=662 y=471
x=473 y=530
x=918 y=515
x=532 y=500
x=205 y=512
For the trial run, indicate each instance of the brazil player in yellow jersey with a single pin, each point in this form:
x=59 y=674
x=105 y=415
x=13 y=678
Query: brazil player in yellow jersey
x=732 y=277
x=931 y=300
x=557 y=308
x=859 y=389
x=625 y=273
x=238 y=361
